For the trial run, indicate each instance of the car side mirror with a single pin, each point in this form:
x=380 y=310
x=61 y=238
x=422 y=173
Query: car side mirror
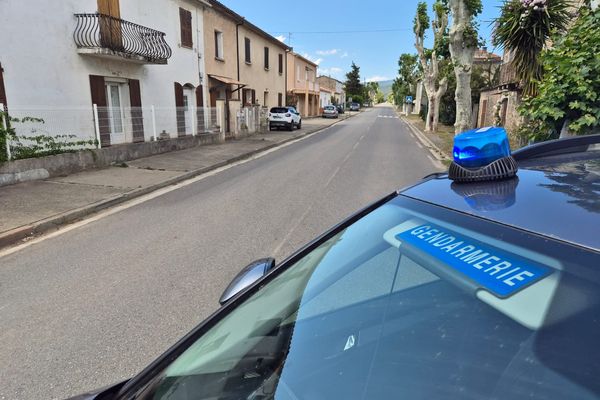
x=247 y=277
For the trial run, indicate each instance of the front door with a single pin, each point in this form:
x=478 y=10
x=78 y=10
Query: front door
x=115 y=113
x=110 y=24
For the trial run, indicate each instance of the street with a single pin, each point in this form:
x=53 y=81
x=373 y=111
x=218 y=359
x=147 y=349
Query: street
x=96 y=304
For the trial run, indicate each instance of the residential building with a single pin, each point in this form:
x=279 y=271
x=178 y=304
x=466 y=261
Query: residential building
x=246 y=66
x=338 y=93
x=131 y=59
x=325 y=96
x=302 y=87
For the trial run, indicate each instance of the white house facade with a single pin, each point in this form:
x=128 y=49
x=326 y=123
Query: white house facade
x=141 y=62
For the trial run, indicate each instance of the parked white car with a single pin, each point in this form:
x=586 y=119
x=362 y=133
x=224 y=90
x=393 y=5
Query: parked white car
x=284 y=117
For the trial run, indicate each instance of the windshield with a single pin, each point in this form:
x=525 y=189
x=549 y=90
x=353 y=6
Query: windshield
x=279 y=110
x=370 y=314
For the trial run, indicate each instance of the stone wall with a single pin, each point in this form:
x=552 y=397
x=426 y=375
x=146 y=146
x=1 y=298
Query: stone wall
x=68 y=163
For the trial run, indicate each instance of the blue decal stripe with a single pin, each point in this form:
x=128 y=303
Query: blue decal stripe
x=496 y=270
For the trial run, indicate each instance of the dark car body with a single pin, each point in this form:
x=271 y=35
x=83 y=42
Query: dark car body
x=551 y=208
x=354 y=107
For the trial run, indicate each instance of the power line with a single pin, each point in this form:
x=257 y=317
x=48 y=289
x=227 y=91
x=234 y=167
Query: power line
x=333 y=32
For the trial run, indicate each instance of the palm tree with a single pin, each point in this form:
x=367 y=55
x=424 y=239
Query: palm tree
x=524 y=28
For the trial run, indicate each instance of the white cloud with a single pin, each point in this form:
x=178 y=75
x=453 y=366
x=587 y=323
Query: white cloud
x=313 y=59
x=335 y=71
x=327 y=52
x=344 y=55
x=281 y=38
x=378 y=78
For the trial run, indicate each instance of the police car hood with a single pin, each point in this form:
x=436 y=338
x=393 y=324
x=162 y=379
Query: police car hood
x=559 y=199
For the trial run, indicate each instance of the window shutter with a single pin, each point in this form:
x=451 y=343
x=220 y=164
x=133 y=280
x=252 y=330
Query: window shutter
x=2 y=90
x=281 y=63
x=200 y=108
x=483 y=113
x=185 y=21
x=247 y=48
x=279 y=100
x=217 y=44
x=180 y=113
x=253 y=96
x=137 y=117
x=199 y=97
x=266 y=58
x=98 y=91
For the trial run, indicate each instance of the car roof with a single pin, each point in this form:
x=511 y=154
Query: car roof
x=556 y=196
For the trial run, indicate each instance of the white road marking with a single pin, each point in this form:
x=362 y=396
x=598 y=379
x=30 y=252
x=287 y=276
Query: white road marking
x=144 y=198
x=419 y=144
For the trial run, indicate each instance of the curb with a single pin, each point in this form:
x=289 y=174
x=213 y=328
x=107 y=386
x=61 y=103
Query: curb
x=435 y=151
x=52 y=223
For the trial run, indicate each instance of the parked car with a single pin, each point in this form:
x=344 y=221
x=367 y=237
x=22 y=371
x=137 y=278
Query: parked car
x=354 y=107
x=330 y=112
x=284 y=117
x=340 y=109
x=479 y=283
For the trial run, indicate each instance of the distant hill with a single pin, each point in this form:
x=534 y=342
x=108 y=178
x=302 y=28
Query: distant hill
x=386 y=87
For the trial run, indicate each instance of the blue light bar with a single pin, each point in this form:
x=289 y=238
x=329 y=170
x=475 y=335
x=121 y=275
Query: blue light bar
x=479 y=147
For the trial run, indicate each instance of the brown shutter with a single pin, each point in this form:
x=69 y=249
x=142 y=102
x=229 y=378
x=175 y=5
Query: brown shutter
x=137 y=117
x=180 y=113
x=2 y=90
x=281 y=63
x=483 y=112
x=99 y=98
x=185 y=22
x=279 y=100
x=253 y=96
x=266 y=58
x=247 y=49
x=217 y=55
x=200 y=108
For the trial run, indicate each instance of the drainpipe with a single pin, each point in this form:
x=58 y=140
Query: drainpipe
x=285 y=69
x=237 y=47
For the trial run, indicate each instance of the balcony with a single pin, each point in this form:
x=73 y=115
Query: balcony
x=109 y=37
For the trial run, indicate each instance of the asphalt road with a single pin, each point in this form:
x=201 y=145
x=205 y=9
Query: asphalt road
x=96 y=304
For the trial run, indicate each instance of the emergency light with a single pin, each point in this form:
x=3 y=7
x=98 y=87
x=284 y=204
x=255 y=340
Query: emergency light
x=481 y=155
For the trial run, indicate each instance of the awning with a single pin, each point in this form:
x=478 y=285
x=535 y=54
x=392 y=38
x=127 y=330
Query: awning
x=226 y=80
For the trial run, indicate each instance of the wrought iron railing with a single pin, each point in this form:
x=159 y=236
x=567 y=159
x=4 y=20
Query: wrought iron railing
x=107 y=32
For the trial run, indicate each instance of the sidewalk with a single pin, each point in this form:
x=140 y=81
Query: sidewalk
x=32 y=208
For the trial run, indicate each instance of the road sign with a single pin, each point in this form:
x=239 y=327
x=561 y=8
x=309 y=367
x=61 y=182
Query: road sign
x=409 y=99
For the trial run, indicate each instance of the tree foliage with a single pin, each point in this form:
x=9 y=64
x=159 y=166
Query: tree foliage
x=570 y=90
x=434 y=82
x=352 y=85
x=408 y=74
x=523 y=28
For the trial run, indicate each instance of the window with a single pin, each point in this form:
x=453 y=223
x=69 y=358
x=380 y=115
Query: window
x=185 y=23
x=115 y=113
x=280 y=64
x=219 y=45
x=279 y=99
x=298 y=73
x=265 y=99
x=266 y=58
x=247 y=47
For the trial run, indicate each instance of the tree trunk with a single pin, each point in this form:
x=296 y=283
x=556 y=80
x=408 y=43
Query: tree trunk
x=431 y=74
x=461 y=53
x=564 y=132
x=430 y=113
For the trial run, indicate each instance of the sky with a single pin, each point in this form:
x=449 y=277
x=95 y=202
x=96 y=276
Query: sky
x=334 y=33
